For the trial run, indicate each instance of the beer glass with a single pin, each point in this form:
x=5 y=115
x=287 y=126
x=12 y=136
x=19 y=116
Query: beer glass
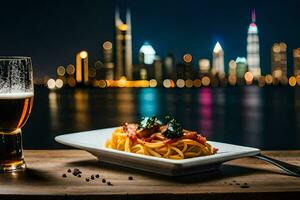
x=16 y=98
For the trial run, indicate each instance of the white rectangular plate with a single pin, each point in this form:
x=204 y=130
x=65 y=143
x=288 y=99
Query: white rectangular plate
x=94 y=142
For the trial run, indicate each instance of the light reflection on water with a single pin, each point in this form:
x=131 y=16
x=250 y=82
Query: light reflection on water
x=248 y=116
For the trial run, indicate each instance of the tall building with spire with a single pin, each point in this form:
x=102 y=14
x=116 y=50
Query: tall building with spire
x=253 y=57
x=218 y=60
x=123 y=46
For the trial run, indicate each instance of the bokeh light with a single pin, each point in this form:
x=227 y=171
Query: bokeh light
x=153 y=83
x=59 y=83
x=205 y=81
x=51 y=83
x=180 y=83
x=292 y=81
x=187 y=58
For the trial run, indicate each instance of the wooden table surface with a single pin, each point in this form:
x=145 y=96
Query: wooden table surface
x=246 y=178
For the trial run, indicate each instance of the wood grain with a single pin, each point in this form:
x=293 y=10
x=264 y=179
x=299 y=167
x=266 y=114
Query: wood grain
x=246 y=178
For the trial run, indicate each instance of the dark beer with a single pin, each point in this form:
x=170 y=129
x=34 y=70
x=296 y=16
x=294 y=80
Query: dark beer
x=14 y=112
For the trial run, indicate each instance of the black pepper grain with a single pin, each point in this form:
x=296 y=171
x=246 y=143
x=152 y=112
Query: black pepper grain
x=97 y=176
x=92 y=177
x=109 y=183
x=130 y=178
x=87 y=179
x=244 y=186
x=103 y=180
x=69 y=170
x=79 y=176
x=64 y=175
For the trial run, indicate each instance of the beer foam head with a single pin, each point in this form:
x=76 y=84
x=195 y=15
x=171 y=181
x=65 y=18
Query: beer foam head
x=19 y=95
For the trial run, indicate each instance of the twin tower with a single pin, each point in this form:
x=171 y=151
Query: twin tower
x=123 y=53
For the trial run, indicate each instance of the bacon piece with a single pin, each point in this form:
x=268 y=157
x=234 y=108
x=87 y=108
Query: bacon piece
x=147 y=132
x=201 y=139
x=190 y=135
x=130 y=129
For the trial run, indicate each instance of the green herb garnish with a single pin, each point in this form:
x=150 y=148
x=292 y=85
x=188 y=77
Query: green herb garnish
x=148 y=122
x=174 y=129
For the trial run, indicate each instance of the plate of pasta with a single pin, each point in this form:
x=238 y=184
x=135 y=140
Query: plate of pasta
x=158 y=146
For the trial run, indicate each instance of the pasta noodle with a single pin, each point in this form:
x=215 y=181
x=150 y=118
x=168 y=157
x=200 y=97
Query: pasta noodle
x=158 y=145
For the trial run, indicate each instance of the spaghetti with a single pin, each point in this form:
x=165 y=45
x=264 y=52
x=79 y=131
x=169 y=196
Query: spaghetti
x=160 y=140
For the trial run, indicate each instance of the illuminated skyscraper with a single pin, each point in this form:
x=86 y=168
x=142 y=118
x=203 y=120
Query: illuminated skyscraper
x=169 y=67
x=82 y=68
x=241 y=67
x=148 y=54
x=157 y=65
x=218 y=60
x=253 y=57
x=123 y=46
x=279 y=60
x=296 y=56
x=108 y=60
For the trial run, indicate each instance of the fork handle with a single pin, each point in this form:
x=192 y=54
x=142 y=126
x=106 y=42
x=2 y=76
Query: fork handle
x=293 y=170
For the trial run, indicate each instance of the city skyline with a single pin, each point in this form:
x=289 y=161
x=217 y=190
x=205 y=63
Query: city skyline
x=197 y=34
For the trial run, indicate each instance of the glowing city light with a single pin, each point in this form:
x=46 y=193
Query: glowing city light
x=217 y=48
x=205 y=81
x=70 y=69
x=248 y=77
x=59 y=83
x=197 y=83
x=60 y=71
x=187 y=58
x=149 y=53
x=51 y=84
x=102 y=84
x=83 y=54
x=167 y=83
x=189 y=83
x=269 y=79
x=292 y=81
x=107 y=45
x=123 y=27
x=152 y=83
x=180 y=83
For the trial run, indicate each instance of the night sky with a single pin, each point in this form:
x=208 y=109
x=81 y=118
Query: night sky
x=52 y=31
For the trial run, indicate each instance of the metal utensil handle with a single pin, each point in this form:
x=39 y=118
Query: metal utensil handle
x=289 y=168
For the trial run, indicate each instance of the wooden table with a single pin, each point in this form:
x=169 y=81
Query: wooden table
x=246 y=178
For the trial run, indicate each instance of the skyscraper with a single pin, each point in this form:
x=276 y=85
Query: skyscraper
x=123 y=46
x=241 y=67
x=253 y=57
x=148 y=53
x=204 y=66
x=82 y=68
x=108 y=60
x=218 y=60
x=296 y=57
x=279 y=60
x=169 y=65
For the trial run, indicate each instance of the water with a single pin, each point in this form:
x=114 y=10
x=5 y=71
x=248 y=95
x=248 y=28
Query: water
x=267 y=118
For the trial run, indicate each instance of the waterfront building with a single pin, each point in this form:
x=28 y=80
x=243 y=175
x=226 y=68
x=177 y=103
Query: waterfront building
x=253 y=58
x=82 y=68
x=169 y=66
x=204 y=66
x=123 y=48
x=232 y=68
x=279 y=60
x=157 y=65
x=218 y=60
x=147 y=54
x=107 y=49
x=296 y=58
x=241 y=67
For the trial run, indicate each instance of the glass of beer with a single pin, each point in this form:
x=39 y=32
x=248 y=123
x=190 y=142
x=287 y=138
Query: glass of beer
x=16 y=98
